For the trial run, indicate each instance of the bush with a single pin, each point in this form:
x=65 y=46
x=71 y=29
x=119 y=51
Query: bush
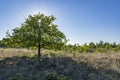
x=53 y=76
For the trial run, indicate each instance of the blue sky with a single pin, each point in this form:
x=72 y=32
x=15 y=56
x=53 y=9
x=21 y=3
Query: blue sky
x=82 y=21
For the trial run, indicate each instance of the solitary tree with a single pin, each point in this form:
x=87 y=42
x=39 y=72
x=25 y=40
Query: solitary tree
x=37 y=30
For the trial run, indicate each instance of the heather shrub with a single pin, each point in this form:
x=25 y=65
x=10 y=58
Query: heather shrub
x=53 y=76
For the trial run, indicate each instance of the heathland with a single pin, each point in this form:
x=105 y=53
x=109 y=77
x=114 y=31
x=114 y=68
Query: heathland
x=23 y=64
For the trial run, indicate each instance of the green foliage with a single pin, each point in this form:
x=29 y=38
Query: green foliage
x=115 y=49
x=85 y=47
x=1 y=44
x=93 y=47
x=33 y=32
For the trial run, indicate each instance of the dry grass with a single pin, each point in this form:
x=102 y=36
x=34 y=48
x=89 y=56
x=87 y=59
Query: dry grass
x=22 y=64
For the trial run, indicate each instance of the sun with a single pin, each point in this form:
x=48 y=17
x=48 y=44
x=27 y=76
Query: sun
x=42 y=9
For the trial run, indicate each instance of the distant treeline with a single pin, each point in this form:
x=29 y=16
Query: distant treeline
x=2 y=45
x=93 y=47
